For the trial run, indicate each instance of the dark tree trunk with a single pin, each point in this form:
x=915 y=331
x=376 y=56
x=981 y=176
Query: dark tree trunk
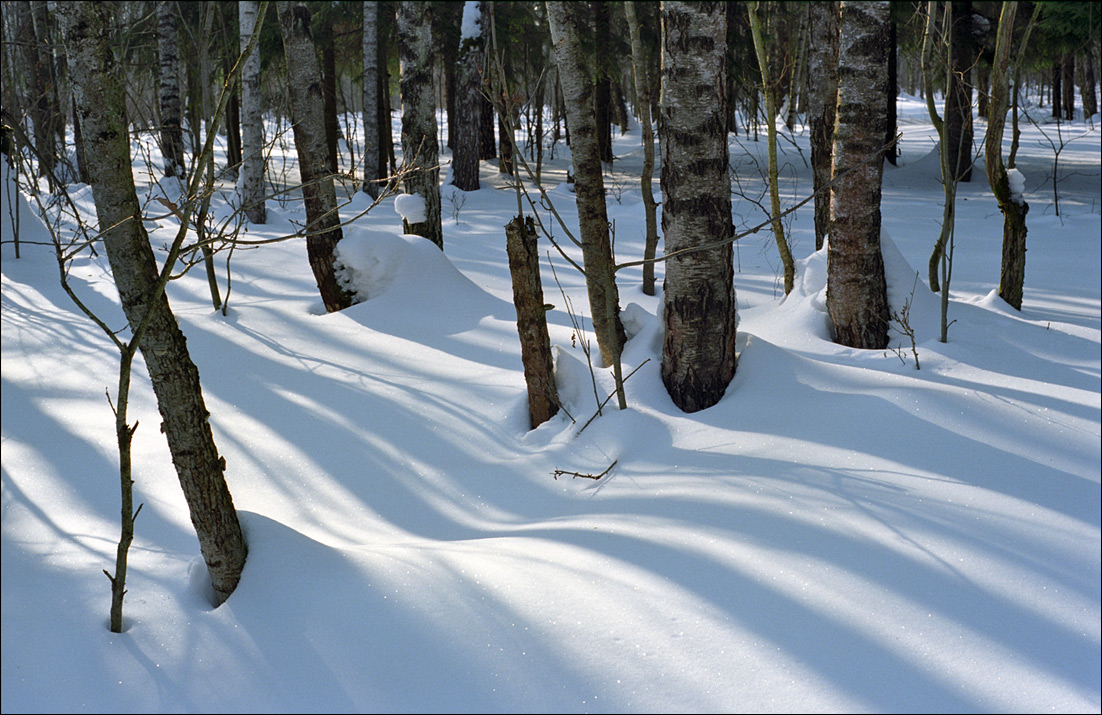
x=643 y=106
x=891 y=93
x=857 y=298
x=602 y=90
x=47 y=108
x=329 y=96
x=99 y=96
x=505 y=151
x=823 y=96
x=1068 y=84
x=535 y=345
x=487 y=137
x=1057 y=90
x=1086 y=86
x=958 y=102
x=466 y=144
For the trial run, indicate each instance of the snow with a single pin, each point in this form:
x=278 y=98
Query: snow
x=842 y=532
x=1017 y=184
x=472 y=21
x=411 y=207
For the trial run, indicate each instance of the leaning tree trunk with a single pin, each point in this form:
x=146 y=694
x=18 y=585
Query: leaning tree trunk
x=698 y=353
x=823 y=98
x=420 y=150
x=98 y=90
x=252 y=128
x=857 y=298
x=172 y=135
x=1013 y=206
x=323 y=229
x=575 y=75
x=468 y=103
x=642 y=105
x=372 y=149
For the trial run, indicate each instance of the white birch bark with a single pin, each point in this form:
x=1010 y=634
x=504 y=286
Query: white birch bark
x=822 y=70
x=698 y=352
x=172 y=137
x=372 y=150
x=577 y=86
x=252 y=121
x=857 y=297
x=420 y=149
x=323 y=229
x=97 y=87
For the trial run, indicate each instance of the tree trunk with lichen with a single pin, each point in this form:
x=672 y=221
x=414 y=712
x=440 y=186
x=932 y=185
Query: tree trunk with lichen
x=575 y=74
x=420 y=150
x=822 y=103
x=98 y=90
x=323 y=230
x=857 y=297
x=535 y=344
x=698 y=351
x=1013 y=207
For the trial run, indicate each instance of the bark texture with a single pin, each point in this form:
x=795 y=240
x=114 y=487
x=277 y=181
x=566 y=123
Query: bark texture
x=535 y=344
x=822 y=105
x=98 y=90
x=468 y=107
x=172 y=135
x=857 y=298
x=958 y=102
x=323 y=230
x=1014 y=208
x=49 y=127
x=643 y=104
x=372 y=148
x=420 y=151
x=698 y=352
x=577 y=86
x=252 y=128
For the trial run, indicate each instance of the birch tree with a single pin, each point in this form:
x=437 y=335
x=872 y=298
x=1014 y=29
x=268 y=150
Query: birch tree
x=372 y=148
x=172 y=135
x=420 y=150
x=822 y=104
x=252 y=130
x=857 y=298
x=643 y=105
x=576 y=77
x=323 y=230
x=698 y=351
x=99 y=95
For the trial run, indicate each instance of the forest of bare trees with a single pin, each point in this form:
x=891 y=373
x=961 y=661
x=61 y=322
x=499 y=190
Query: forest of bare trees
x=510 y=81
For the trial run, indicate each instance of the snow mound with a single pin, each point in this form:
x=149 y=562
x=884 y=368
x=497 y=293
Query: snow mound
x=407 y=280
x=411 y=208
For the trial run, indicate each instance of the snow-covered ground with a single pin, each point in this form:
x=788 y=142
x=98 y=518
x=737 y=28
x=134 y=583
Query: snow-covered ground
x=842 y=532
